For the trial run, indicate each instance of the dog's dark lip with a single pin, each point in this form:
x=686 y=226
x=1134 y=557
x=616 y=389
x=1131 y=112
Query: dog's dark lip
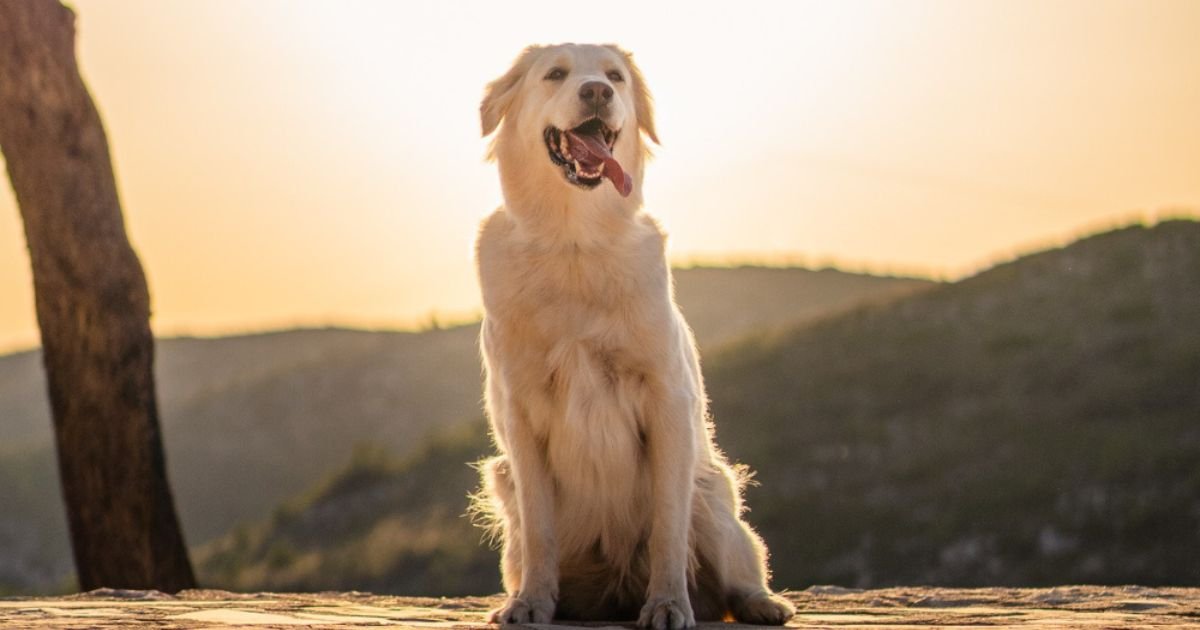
x=554 y=139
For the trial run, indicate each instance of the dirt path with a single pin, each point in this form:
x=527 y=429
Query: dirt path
x=819 y=607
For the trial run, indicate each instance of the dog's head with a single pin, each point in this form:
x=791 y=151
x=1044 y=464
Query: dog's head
x=571 y=113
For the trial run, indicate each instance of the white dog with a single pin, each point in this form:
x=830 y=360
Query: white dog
x=609 y=496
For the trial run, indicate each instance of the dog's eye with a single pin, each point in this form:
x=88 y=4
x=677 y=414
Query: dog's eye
x=615 y=76
x=556 y=74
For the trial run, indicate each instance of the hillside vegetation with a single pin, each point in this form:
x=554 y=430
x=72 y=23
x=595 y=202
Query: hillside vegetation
x=252 y=420
x=1036 y=424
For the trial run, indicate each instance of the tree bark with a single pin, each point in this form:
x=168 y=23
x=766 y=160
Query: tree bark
x=93 y=308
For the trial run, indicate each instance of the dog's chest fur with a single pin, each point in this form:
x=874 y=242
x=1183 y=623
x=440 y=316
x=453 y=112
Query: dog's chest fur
x=577 y=359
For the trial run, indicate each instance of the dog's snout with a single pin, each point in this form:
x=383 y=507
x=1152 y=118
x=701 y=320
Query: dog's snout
x=596 y=93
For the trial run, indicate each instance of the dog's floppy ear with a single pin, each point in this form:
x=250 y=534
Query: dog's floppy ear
x=498 y=96
x=643 y=103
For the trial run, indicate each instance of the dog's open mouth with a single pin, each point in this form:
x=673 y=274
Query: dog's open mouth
x=585 y=155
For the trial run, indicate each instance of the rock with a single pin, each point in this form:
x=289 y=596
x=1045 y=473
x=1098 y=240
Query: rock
x=817 y=607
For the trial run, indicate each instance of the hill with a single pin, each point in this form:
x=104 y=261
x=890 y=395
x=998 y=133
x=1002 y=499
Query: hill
x=382 y=524
x=818 y=607
x=252 y=420
x=723 y=304
x=1035 y=424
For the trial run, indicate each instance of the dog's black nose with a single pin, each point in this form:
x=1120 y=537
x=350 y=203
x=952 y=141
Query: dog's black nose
x=595 y=93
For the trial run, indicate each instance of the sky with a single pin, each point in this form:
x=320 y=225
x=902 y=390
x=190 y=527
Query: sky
x=305 y=163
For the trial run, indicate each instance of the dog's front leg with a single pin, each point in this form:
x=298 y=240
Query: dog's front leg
x=535 y=599
x=671 y=448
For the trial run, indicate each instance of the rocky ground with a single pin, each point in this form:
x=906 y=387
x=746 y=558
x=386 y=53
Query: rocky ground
x=818 y=607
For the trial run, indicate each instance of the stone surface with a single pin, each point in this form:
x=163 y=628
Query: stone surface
x=818 y=607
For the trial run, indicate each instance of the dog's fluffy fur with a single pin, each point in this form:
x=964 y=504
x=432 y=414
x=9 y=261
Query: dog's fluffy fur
x=609 y=497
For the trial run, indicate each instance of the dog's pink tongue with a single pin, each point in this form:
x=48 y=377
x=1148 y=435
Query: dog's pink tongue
x=591 y=150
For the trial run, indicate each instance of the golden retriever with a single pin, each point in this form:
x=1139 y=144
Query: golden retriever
x=609 y=497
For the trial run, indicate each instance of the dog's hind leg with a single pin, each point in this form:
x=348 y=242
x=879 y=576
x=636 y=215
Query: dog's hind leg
x=750 y=599
x=736 y=551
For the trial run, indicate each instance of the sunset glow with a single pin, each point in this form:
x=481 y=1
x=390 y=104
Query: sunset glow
x=319 y=163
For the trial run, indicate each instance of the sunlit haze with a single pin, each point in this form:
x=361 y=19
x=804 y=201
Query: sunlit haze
x=319 y=163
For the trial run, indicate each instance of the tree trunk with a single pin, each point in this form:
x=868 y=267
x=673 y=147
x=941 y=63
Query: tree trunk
x=93 y=309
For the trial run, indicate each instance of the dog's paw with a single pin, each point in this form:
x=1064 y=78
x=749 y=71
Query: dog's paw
x=667 y=613
x=522 y=609
x=763 y=609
